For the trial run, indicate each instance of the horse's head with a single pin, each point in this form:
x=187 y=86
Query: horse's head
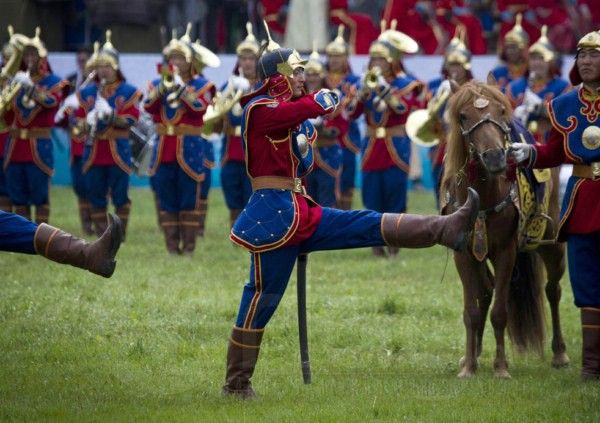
x=480 y=115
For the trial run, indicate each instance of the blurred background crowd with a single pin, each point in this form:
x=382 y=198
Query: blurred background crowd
x=146 y=25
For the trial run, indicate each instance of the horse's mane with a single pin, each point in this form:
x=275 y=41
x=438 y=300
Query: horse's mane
x=456 y=150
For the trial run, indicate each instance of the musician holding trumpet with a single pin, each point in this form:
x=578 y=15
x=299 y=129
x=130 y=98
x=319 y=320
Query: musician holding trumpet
x=177 y=102
x=107 y=109
x=28 y=109
x=386 y=96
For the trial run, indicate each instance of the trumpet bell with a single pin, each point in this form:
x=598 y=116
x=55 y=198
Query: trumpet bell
x=420 y=128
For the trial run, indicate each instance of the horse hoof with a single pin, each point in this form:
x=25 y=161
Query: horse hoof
x=461 y=362
x=502 y=374
x=560 y=361
x=466 y=373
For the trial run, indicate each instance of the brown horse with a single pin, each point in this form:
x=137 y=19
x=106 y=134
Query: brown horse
x=480 y=133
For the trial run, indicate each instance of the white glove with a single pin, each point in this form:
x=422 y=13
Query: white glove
x=71 y=102
x=23 y=78
x=102 y=107
x=92 y=118
x=521 y=151
x=177 y=80
x=240 y=83
x=318 y=121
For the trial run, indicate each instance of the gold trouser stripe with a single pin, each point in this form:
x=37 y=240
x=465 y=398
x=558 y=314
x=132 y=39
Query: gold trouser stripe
x=252 y=347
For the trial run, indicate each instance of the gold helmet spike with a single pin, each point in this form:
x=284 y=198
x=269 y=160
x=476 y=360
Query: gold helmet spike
x=314 y=64
x=249 y=44
x=272 y=45
x=91 y=62
x=11 y=30
x=338 y=45
x=36 y=42
x=393 y=24
x=186 y=37
x=108 y=54
x=382 y=25
x=108 y=43
x=517 y=35
x=179 y=46
x=544 y=47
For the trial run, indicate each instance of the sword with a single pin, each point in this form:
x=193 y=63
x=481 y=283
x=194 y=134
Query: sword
x=302 y=329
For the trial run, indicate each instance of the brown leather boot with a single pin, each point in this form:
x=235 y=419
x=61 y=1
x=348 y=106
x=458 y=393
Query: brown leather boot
x=24 y=211
x=85 y=210
x=5 y=203
x=188 y=228
x=170 y=227
x=420 y=231
x=590 y=325
x=98 y=217
x=98 y=257
x=233 y=215
x=242 y=353
x=123 y=213
x=203 y=209
x=42 y=213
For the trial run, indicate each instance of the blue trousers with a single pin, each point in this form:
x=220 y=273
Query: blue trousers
x=584 y=268
x=101 y=179
x=348 y=170
x=176 y=190
x=385 y=190
x=27 y=184
x=270 y=271
x=3 y=187
x=16 y=233
x=320 y=185
x=78 y=179
x=204 y=190
x=236 y=184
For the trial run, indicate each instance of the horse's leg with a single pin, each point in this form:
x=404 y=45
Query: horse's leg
x=554 y=261
x=486 y=292
x=471 y=276
x=504 y=262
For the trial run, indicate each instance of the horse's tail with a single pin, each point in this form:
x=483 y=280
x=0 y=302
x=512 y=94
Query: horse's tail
x=526 y=317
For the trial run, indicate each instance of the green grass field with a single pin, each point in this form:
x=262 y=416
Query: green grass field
x=149 y=344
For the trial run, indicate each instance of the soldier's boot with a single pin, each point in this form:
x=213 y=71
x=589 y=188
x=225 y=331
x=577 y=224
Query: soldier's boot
x=123 y=213
x=5 y=203
x=24 y=211
x=99 y=221
x=233 y=215
x=242 y=354
x=203 y=209
x=420 y=231
x=98 y=257
x=188 y=227
x=590 y=326
x=42 y=213
x=85 y=215
x=170 y=227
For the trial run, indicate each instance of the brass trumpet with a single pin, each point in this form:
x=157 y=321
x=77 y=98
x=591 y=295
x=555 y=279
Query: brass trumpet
x=173 y=89
x=421 y=125
x=371 y=78
x=11 y=89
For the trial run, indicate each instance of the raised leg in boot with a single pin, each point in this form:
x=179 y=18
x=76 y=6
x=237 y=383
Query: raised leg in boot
x=5 y=203
x=24 y=211
x=170 y=227
x=590 y=326
x=98 y=257
x=188 y=227
x=420 y=231
x=85 y=215
x=242 y=354
x=99 y=221
x=123 y=213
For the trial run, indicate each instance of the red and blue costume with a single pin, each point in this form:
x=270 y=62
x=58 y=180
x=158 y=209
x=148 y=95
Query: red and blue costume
x=5 y=204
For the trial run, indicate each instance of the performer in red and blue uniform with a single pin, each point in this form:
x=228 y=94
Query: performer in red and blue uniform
x=575 y=138
x=5 y=203
x=177 y=163
x=19 y=235
x=106 y=111
x=541 y=84
x=234 y=179
x=323 y=182
x=513 y=54
x=387 y=101
x=280 y=221
x=28 y=160
x=339 y=77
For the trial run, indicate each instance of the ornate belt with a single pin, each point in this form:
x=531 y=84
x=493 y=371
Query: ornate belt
x=277 y=182
x=29 y=133
x=382 y=132
x=162 y=129
x=591 y=171
x=325 y=142
x=112 y=133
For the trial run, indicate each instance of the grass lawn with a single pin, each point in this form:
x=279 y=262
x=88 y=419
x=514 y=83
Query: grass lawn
x=149 y=344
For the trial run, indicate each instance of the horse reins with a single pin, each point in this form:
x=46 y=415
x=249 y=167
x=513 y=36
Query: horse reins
x=486 y=119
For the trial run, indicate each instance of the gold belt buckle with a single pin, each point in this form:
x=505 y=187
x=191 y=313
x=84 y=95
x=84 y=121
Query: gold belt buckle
x=238 y=131
x=595 y=170
x=170 y=130
x=298 y=185
x=380 y=132
x=23 y=133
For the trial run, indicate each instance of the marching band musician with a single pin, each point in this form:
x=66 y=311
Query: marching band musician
x=66 y=117
x=5 y=203
x=107 y=109
x=575 y=138
x=529 y=94
x=339 y=76
x=234 y=179
x=177 y=102
x=280 y=221
x=29 y=161
x=386 y=96
x=513 y=54
x=322 y=183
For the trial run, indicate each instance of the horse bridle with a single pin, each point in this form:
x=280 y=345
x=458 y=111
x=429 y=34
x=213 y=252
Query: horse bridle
x=466 y=133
